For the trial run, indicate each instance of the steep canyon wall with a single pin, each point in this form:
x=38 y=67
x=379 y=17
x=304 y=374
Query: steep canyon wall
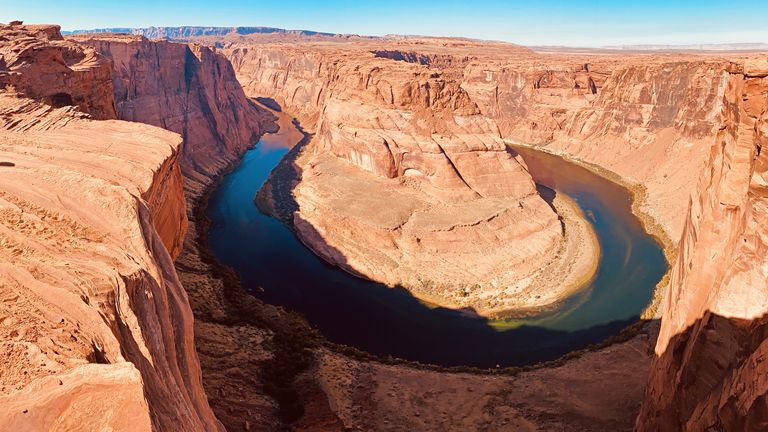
x=709 y=370
x=188 y=89
x=192 y=90
x=97 y=329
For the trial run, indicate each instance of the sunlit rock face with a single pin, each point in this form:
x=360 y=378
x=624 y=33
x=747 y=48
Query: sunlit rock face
x=188 y=89
x=192 y=90
x=648 y=118
x=96 y=328
x=36 y=61
x=709 y=370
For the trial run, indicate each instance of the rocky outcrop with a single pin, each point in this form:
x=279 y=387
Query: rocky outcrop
x=296 y=80
x=640 y=117
x=36 y=61
x=187 y=89
x=709 y=370
x=192 y=90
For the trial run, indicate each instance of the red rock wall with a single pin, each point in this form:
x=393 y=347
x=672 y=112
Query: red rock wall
x=187 y=89
x=710 y=368
x=638 y=116
x=647 y=119
x=296 y=80
x=165 y=198
x=97 y=328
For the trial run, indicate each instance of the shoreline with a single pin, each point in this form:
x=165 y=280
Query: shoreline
x=575 y=281
x=586 y=257
x=654 y=228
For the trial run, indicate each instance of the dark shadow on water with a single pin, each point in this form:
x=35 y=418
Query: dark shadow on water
x=274 y=265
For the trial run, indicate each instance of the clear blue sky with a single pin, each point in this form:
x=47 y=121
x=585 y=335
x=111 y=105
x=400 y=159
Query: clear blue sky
x=530 y=22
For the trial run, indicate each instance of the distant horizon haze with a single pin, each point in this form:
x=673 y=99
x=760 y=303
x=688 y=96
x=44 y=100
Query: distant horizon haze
x=595 y=23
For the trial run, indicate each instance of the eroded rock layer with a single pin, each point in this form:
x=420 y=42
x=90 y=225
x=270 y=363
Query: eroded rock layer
x=637 y=116
x=709 y=371
x=409 y=183
x=188 y=89
x=97 y=332
x=191 y=89
x=38 y=62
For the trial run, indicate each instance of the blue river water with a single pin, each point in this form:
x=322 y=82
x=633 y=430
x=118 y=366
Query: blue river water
x=274 y=265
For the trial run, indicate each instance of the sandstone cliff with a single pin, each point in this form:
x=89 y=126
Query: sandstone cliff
x=36 y=61
x=639 y=117
x=97 y=329
x=185 y=88
x=650 y=119
x=192 y=90
x=710 y=368
x=636 y=116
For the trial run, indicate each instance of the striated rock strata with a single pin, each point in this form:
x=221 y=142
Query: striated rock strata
x=185 y=88
x=38 y=62
x=709 y=372
x=96 y=328
x=192 y=90
x=640 y=117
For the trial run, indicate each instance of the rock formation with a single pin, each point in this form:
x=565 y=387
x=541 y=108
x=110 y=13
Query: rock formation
x=709 y=371
x=192 y=90
x=659 y=123
x=96 y=328
x=188 y=89
x=605 y=110
x=456 y=219
x=39 y=63
x=608 y=112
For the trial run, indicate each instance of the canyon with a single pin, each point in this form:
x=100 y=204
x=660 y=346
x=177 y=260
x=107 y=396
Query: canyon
x=109 y=144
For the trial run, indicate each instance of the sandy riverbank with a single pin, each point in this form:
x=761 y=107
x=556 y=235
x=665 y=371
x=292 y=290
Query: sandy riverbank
x=644 y=211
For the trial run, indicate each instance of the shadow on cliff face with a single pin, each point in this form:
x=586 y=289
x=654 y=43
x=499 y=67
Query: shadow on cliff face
x=710 y=377
x=270 y=103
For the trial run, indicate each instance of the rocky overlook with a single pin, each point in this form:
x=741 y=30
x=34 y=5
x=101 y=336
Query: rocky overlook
x=92 y=216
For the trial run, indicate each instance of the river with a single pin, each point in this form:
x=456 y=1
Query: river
x=274 y=265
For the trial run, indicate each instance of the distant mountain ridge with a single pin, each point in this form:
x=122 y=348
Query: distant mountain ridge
x=195 y=31
x=695 y=47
